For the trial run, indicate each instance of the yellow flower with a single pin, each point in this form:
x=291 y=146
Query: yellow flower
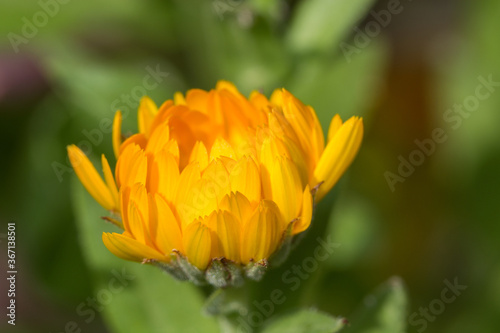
x=214 y=179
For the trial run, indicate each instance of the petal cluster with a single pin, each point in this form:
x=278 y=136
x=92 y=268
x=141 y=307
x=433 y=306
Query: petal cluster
x=213 y=176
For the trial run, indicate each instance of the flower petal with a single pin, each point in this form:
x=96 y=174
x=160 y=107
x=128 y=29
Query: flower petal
x=225 y=231
x=226 y=85
x=117 y=133
x=238 y=205
x=197 y=244
x=136 y=221
x=335 y=125
x=132 y=166
x=298 y=115
x=196 y=99
x=183 y=201
x=165 y=175
x=168 y=234
x=318 y=138
x=221 y=148
x=205 y=194
x=179 y=98
x=199 y=154
x=338 y=155
x=137 y=139
x=262 y=233
x=89 y=177
x=130 y=249
x=124 y=201
x=173 y=148
x=306 y=216
x=110 y=181
x=158 y=139
x=146 y=114
x=137 y=225
x=281 y=183
x=218 y=181
x=245 y=178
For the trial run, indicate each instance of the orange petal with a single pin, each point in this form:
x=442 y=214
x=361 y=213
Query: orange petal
x=168 y=233
x=335 y=125
x=197 y=244
x=132 y=166
x=146 y=114
x=117 y=133
x=199 y=154
x=338 y=155
x=225 y=231
x=130 y=249
x=158 y=139
x=281 y=183
x=183 y=201
x=262 y=233
x=179 y=98
x=318 y=138
x=221 y=148
x=306 y=216
x=245 y=178
x=138 y=139
x=196 y=99
x=218 y=181
x=90 y=179
x=165 y=175
x=137 y=225
x=110 y=181
x=238 y=205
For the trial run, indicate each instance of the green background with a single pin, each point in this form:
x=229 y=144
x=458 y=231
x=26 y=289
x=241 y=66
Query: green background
x=65 y=75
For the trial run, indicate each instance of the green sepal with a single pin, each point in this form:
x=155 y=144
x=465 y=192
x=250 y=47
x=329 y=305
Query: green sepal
x=216 y=274
x=235 y=274
x=172 y=268
x=256 y=270
x=222 y=273
x=193 y=273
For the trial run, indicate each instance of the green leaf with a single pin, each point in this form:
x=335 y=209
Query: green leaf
x=306 y=321
x=144 y=299
x=337 y=86
x=318 y=25
x=383 y=311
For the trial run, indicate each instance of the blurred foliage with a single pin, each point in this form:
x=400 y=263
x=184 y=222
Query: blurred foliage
x=147 y=300
x=306 y=321
x=384 y=311
x=92 y=57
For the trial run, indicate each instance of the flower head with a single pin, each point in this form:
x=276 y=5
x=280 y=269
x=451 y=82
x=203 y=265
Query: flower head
x=214 y=183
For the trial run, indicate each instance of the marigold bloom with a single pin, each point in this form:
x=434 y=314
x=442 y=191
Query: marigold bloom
x=215 y=182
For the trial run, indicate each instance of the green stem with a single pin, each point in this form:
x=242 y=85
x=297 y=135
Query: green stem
x=227 y=305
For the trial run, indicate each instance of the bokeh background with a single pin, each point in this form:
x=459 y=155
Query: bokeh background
x=65 y=73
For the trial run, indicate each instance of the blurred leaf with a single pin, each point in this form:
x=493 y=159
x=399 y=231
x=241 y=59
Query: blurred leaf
x=252 y=59
x=248 y=54
x=42 y=207
x=306 y=321
x=335 y=86
x=98 y=88
x=354 y=224
x=147 y=300
x=318 y=25
x=271 y=9
x=382 y=312
x=63 y=16
x=472 y=135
